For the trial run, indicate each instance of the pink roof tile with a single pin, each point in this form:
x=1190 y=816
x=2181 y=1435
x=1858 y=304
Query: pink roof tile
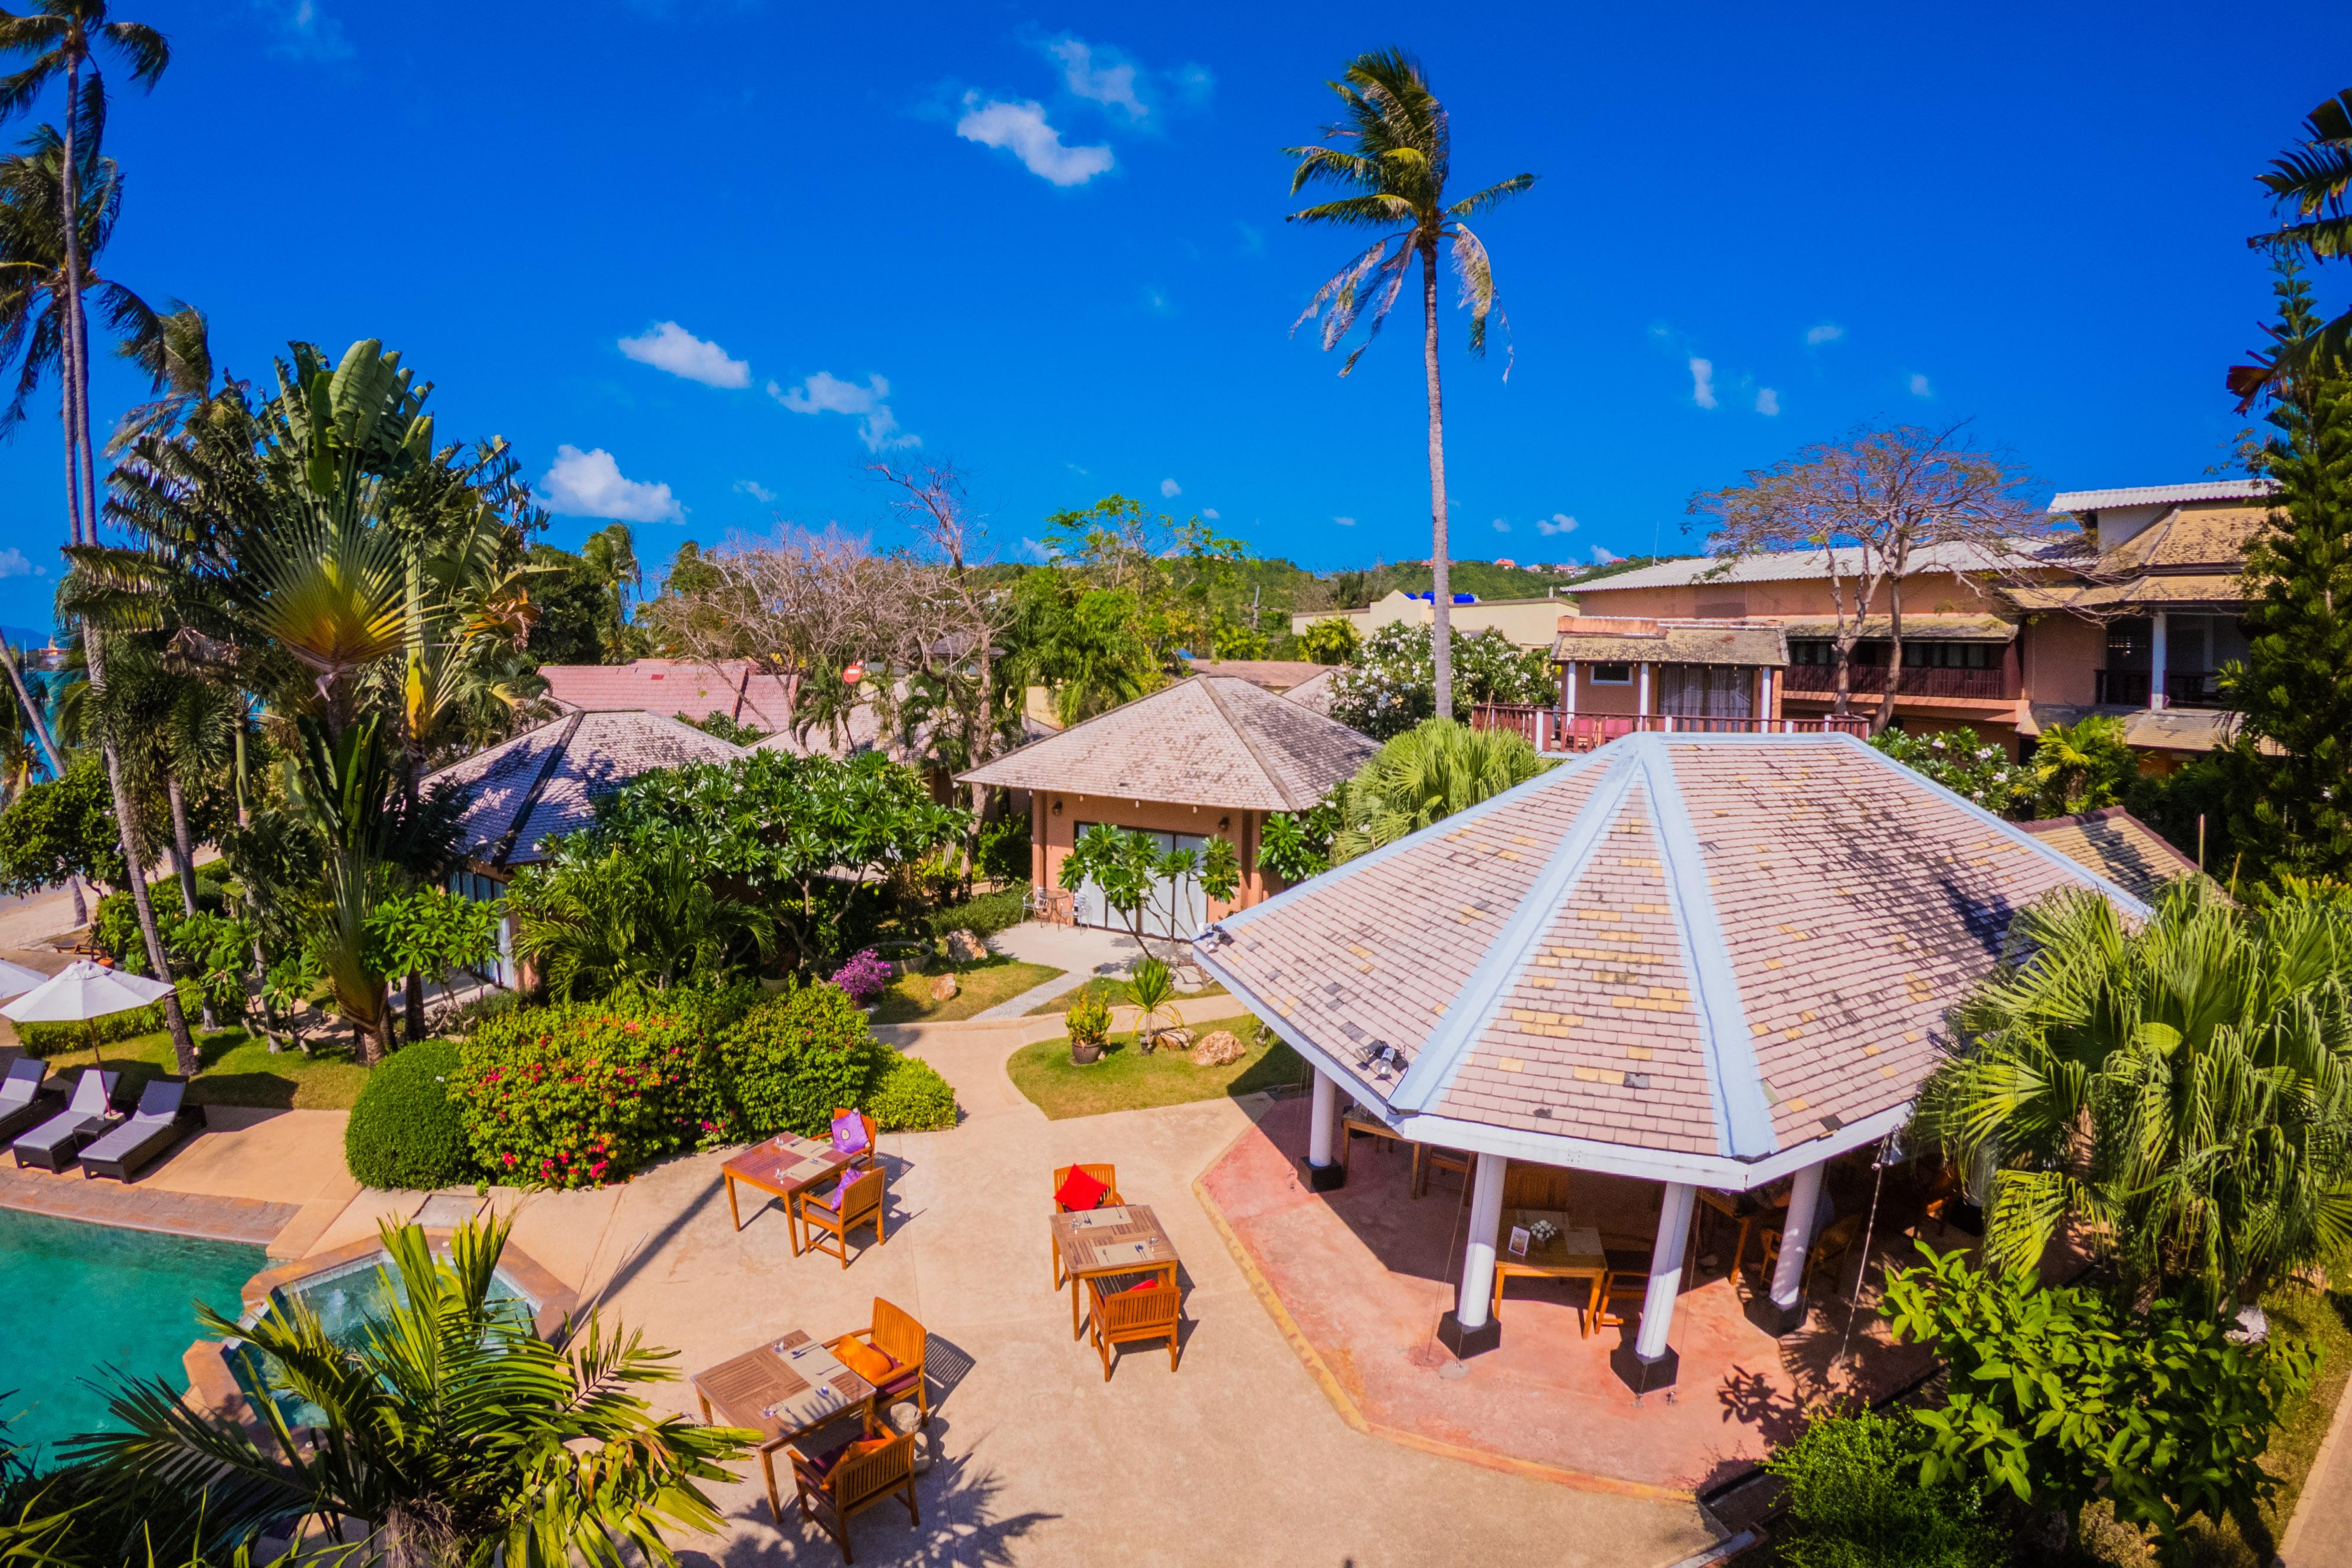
x=673 y=687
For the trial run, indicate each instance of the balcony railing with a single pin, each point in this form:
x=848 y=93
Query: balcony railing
x=1551 y=730
x=2182 y=688
x=1918 y=681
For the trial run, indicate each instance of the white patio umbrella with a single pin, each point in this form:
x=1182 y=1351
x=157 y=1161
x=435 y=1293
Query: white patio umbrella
x=84 y=991
x=17 y=979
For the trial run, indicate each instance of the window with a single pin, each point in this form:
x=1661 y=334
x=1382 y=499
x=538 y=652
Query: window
x=1612 y=674
x=1810 y=652
x=1948 y=655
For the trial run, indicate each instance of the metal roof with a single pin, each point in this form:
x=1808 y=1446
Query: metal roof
x=1784 y=566
x=2160 y=495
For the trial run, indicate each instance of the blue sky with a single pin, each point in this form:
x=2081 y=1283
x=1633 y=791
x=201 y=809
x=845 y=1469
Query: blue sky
x=1048 y=245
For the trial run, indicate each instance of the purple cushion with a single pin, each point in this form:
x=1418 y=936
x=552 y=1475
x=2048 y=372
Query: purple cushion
x=849 y=1133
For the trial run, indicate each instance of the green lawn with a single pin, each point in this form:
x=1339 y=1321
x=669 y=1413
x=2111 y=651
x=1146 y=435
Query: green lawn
x=1126 y=1080
x=992 y=980
x=1114 y=992
x=238 y=1070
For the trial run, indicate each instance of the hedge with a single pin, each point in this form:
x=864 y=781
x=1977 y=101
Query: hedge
x=985 y=915
x=407 y=1131
x=910 y=1096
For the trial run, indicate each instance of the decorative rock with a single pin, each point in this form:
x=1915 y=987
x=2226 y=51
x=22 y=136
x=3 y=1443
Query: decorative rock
x=1222 y=1048
x=1177 y=1038
x=944 y=988
x=963 y=947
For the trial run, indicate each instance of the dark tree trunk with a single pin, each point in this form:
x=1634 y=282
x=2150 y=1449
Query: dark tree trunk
x=1886 y=714
x=416 y=996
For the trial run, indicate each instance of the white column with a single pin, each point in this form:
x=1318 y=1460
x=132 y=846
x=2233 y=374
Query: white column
x=2158 y=651
x=1796 y=1238
x=1642 y=693
x=1567 y=689
x=1665 y=1270
x=1326 y=1121
x=506 y=953
x=1478 y=1258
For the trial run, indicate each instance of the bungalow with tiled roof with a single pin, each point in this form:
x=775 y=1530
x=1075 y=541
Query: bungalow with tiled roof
x=1207 y=756
x=1704 y=961
x=684 y=687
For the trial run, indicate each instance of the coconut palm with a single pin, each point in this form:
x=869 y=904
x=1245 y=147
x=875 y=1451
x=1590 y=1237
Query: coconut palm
x=451 y=1433
x=2309 y=184
x=1396 y=172
x=2179 y=1094
x=1428 y=773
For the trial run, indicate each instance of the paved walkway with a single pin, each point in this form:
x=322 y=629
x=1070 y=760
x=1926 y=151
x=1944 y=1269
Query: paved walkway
x=2320 y=1533
x=1236 y=1457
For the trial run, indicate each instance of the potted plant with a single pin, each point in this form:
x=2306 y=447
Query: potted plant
x=1150 y=987
x=1089 y=1025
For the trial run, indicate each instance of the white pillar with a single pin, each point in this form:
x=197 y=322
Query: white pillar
x=1665 y=1270
x=1642 y=693
x=1796 y=1238
x=506 y=953
x=1567 y=689
x=2156 y=654
x=1478 y=1258
x=1326 y=1120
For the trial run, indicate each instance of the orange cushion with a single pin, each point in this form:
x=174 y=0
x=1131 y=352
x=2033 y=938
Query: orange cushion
x=866 y=1361
x=825 y=1463
x=1079 y=1191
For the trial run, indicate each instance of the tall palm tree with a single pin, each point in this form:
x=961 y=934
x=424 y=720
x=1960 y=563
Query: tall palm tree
x=1396 y=172
x=2309 y=184
x=1431 y=771
x=611 y=556
x=450 y=1434
x=2178 y=1095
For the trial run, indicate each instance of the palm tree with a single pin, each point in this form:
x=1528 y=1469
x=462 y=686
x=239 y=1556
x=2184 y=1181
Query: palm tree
x=1431 y=771
x=1397 y=171
x=596 y=923
x=610 y=555
x=2310 y=183
x=451 y=1433
x=2180 y=1095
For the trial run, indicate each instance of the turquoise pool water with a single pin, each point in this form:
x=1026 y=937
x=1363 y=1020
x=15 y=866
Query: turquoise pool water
x=346 y=1300
x=78 y=1300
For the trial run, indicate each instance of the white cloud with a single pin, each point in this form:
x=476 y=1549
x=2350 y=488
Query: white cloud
x=305 y=33
x=1501 y=526
x=1169 y=487
x=670 y=347
x=13 y=563
x=589 y=485
x=1345 y=522
x=1111 y=85
x=1827 y=332
x=825 y=392
x=1034 y=549
x=1211 y=513
x=1919 y=387
x=1767 y=401
x=755 y=490
x=1603 y=556
x=1558 y=523
x=1021 y=129
x=1701 y=382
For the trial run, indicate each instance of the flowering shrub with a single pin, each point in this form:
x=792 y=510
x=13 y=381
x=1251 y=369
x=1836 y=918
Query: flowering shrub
x=791 y=1061
x=864 y=977
x=1963 y=763
x=910 y=1096
x=1391 y=684
x=581 y=1093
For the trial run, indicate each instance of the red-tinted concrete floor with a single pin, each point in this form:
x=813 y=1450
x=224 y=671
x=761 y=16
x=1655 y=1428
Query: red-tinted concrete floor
x=1365 y=1273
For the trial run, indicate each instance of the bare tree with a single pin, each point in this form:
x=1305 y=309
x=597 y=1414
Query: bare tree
x=1872 y=505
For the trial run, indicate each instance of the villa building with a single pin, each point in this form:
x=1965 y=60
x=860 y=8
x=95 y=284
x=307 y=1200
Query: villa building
x=1526 y=622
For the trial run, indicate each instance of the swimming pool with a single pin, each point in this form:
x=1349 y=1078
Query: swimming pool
x=81 y=1300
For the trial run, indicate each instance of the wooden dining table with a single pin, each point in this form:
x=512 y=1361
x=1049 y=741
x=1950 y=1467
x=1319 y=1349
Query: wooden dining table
x=781 y=1390
x=1575 y=1252
x=780 y=1166
x=1126 y=1239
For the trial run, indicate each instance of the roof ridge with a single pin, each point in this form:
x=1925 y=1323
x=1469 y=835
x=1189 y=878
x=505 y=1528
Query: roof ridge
x=529 y=800
x=1257 y=758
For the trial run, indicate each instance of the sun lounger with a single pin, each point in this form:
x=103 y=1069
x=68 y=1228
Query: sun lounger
x=52 y=1143
x=20 y=1094
x=163 y=1119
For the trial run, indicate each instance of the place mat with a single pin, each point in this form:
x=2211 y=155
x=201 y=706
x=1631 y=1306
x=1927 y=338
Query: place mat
x=1089 y=1219
x=828 y=1387
x=1091 y=1244
x=1578 y=1245
x=1109 y=1253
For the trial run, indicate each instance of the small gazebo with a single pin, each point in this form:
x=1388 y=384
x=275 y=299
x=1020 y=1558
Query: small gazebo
x=1705 y=961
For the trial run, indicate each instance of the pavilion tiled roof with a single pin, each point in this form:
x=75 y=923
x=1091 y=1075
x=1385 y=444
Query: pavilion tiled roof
x=1701 y=950
x=679 y=687
x=1210 y=740
x=2118 y=846
x=1602 y=638
x=544 y=782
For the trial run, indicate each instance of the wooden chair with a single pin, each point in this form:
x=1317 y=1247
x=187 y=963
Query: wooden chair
x=1109 y=1176
x=1355 y=1123
x=846 y=1211
x=1123 y=1314
x=833 y=1487
x=898 y=1336
x=1428 y=1157
x=1833 y=1243
x=1618 y=1286
x=871 y=1160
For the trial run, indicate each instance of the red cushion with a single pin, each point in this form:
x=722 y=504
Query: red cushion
x=1079 y=1191
x=1150 y=1282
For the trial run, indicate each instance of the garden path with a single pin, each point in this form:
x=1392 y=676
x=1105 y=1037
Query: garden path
x=2320 y=1535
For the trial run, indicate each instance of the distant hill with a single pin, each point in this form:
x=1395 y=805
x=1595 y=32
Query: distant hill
x=23 y=637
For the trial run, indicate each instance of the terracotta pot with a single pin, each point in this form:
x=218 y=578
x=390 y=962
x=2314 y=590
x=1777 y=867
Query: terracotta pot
x=1085 y=1053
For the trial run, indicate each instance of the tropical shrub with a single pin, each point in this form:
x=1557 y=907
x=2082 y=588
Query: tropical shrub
x=1002 y=852
x=596 y=920
x=1296 y=845
x=1963 y=763
x=1088 y=1019
x=789 y=1062
x=407 y=1129
x=2058 y=1395
x=1391 y=684
x=988 y=914
x=1856 y=1499
x=864 y=977
x=581 y=1093
x=1426 y=774
x=910 y=1096
x=2083 y=767
x=1331 y=641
